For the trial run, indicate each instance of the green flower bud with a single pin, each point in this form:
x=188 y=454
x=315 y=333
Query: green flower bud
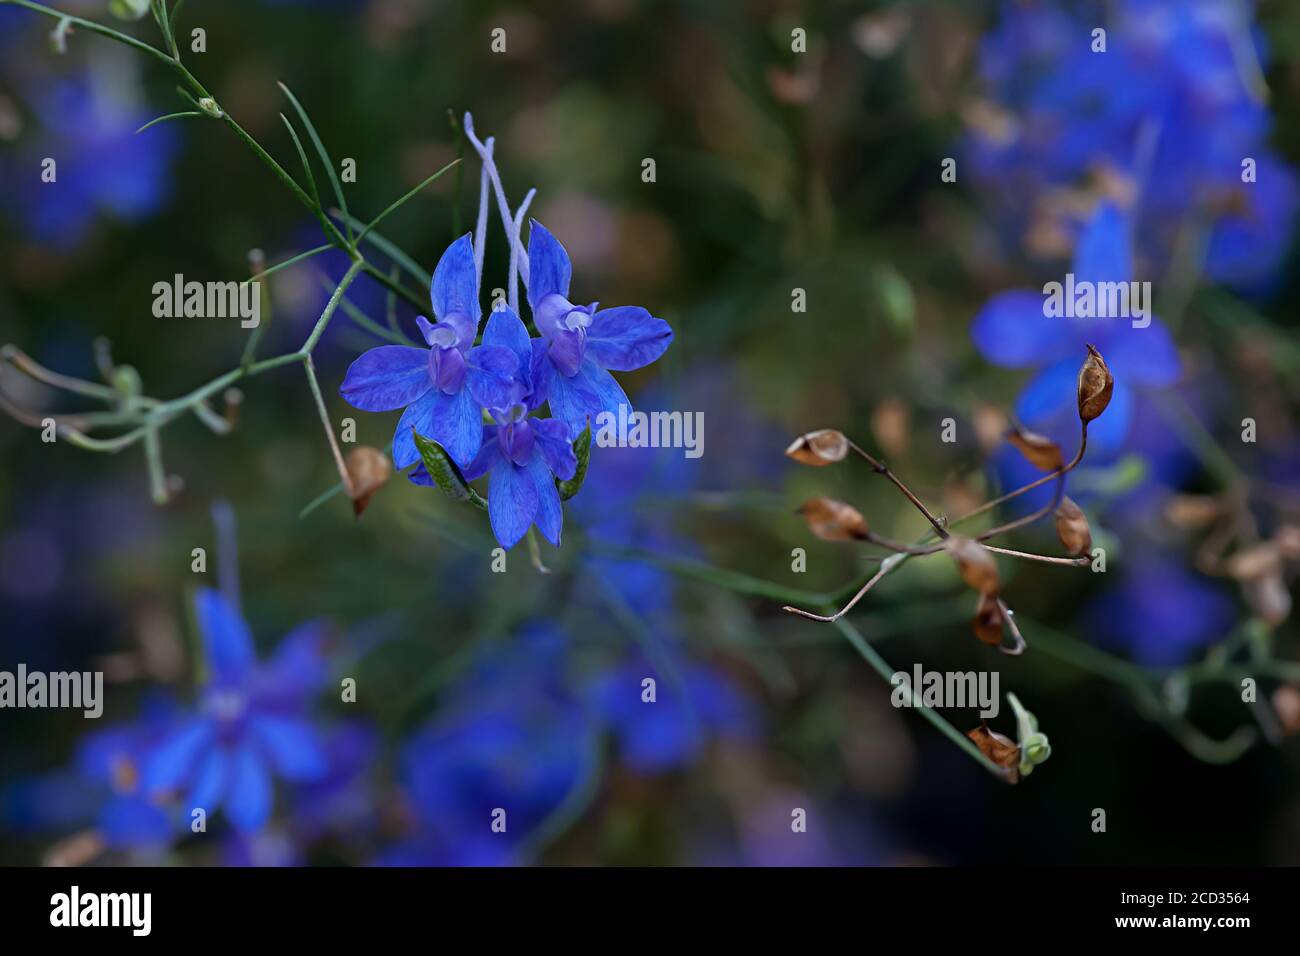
x=128 y=9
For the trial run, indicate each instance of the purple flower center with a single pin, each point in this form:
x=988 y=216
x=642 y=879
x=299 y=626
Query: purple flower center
x=515 y=433
x=565 y=326
x=446 y=368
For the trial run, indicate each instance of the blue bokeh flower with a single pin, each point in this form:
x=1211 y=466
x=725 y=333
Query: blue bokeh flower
x=250 y=725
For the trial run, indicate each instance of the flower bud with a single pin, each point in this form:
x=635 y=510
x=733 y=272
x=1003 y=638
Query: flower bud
x=824 y=447
x=1072 y=527
x=1039 y=450
x=1095 y=385
x=210 y=107
x=128 y=9
x=833 y=520
x=368 y=470
x=975 y=563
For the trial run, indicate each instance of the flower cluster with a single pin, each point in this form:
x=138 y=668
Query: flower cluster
x=445 y=388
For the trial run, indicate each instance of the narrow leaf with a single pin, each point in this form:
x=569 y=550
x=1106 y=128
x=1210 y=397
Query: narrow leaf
x=398 y=203
x=169 y=116
x=321 y=152
x=444 y=472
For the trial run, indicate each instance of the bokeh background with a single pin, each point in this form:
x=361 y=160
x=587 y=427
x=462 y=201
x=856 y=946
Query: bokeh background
x=776 y=170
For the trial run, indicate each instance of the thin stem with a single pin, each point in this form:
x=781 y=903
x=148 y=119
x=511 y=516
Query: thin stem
x=885 y=567
x=881 y=468
x=332 y=305
x=93 y=27
x=310 y=368
x=1059 y=474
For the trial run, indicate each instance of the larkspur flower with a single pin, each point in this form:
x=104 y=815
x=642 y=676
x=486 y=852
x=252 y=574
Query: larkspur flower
x=250 y=723
x=444 y=387
x=581 y=343
x=1012 y=331
x=672 y=731
x=1171 y=107
x=520 y=455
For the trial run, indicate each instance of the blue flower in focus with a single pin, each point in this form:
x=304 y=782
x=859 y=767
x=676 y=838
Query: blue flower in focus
x=1160 y=612
x=521 y=455
x=444 y=387
x=1012 y=331
x=250 y=724
x=581 y=343
x=102 y=165
x=671 y=731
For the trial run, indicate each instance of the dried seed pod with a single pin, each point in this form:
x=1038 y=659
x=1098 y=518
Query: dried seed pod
x=833 y=520
x=368 y=470
x=1039 y=450
x=989 y=620
x=1287 y=541
x=1268 y=597
x=823 y=447
x=1000 y=749
x=1286 y=701
x=1095 y=385
x=1253 y=562
x=1072 y=527
x=975 y=563
x=1192 y=511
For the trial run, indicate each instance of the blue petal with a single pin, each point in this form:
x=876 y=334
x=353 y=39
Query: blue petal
x=248 y=800
x=588 y=393
x=1104 y=251
x=507 y=330
x=552 y=441
x=627 y=338
x=512 y=502
x=418 y=416
x=128 y=822
x=489 y=456
x=172 y=762
x=1012 y=331
x=210 y=783
x=226 y=641
x=291 y=745
x=549 y=269
x=387 y=378
x=491 y=375
x=550 y=516
x=456 y=423
x=1143 y=356
x=455 y=282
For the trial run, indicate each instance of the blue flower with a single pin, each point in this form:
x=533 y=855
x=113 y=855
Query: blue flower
x=581 y=343
x=443 y=388
x=1161 y=613
x=521 y=455
x=671 y=731
x=103 y=167
x=249 y=725
x=1170 y=108
x=1012 y=331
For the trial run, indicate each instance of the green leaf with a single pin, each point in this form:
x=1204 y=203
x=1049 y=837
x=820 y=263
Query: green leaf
x=582 y=449
x=169 y=116
x=444 y=472
x=400 y=202
x=322 y=152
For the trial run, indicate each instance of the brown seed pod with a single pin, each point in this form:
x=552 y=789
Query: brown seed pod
x=368 y=470
x=833 y=520
x=1095 y=385
x=975 y=563
x=1000 y=749
x=989 y=620
x=1072 y=527
x=1253 y=562
x=823 y=447
x=1039 y=450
